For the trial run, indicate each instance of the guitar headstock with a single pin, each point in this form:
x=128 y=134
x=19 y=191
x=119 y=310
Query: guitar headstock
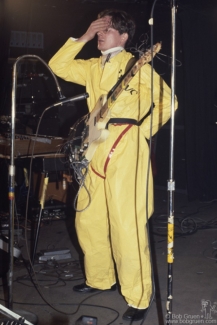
x=150 y=53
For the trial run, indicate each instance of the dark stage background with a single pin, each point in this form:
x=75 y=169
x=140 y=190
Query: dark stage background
x=51 y=22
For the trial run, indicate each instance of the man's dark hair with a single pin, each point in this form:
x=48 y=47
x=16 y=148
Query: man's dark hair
x=121 y=21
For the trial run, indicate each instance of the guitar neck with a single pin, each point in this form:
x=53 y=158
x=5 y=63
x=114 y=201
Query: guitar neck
x=119 y=88
x=147 y=57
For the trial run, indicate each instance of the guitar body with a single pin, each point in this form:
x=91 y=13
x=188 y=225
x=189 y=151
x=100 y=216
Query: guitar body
x=95 y=130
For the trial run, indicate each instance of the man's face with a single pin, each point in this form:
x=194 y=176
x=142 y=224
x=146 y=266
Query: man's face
x=110 y=38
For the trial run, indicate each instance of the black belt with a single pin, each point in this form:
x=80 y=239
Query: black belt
x=122 y=121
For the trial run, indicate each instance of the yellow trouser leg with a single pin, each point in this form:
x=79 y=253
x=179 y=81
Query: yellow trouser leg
x=125 y=186
x=93 y=233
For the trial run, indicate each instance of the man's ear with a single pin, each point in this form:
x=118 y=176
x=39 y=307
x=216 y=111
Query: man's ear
x=124 y=38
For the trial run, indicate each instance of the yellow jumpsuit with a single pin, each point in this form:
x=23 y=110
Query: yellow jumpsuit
x=113 y=228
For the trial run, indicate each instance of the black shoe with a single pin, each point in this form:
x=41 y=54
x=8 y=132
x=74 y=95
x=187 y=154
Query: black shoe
x=134 y=314
x=84 y=288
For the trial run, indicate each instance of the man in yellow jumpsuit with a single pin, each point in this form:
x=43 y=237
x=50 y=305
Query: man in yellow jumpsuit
x=113 y=227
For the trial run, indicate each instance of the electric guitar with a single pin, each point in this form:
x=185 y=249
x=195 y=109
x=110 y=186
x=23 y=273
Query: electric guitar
x=95 y=130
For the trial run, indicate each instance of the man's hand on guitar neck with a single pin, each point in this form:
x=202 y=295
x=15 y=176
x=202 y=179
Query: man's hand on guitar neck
x=101 y=24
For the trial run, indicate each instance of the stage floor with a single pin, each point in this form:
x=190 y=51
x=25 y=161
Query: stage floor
x=194 y=271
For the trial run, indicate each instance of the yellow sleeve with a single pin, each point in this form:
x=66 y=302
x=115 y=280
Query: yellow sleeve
x=64 y=65
x=162 y=102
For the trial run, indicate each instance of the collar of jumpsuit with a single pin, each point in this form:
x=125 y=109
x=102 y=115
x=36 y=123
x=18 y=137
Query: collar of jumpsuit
x=106 y=55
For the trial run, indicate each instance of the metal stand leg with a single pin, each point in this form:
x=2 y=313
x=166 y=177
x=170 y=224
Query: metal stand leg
x=42 y=201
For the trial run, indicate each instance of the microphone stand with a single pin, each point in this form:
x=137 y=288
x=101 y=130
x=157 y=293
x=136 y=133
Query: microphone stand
x=11 y=177
x=171 y=182
x=46 y=178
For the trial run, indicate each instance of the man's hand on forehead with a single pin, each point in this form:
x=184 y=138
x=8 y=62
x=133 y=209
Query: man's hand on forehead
x=100 y=25
x=105 y=23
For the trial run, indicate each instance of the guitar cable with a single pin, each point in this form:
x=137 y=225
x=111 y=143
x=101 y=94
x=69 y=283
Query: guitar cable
x=80 y=173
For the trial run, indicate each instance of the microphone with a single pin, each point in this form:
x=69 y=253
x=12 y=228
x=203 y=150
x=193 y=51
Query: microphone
x=72 y=99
